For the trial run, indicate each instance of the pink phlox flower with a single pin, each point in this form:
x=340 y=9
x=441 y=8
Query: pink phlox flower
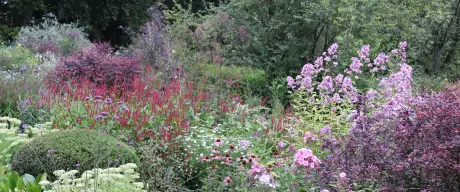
x=364 y=52
x=327 y=84
x=304 y=157
x=332 y=50
x=309 y=136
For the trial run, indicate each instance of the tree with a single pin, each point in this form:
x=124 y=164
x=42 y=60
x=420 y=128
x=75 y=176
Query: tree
x=106 y=20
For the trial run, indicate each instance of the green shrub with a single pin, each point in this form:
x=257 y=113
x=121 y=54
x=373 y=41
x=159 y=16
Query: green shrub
x=8 y=33
x=71 y=149
x=223 y=78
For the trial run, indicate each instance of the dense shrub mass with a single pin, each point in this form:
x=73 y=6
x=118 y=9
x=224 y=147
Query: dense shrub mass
x=54 y=37
x=69 y=150
x=97 y=64
x=416 y=149
x=203 y=101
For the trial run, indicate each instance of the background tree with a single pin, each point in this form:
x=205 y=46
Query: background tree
x=106 y=20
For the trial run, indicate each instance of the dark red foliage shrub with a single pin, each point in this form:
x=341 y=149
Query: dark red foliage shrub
x=417 y=150
x=97 y=64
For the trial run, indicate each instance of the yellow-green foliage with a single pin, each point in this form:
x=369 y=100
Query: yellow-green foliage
x=314 y=116
x=11 y=141
x=119 y=179
x=16 y=57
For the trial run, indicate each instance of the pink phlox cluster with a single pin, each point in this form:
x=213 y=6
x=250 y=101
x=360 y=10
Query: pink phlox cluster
x=364 y=52
x=327 y=85
x=355 y=66
x=333 y=88
x=305 y=158
x=397 y=87
x=309 y=71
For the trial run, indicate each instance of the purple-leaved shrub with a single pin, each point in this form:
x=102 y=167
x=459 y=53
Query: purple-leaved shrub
x=97 y=64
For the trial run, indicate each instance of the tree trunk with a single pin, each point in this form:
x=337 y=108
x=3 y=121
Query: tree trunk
x=436 y=62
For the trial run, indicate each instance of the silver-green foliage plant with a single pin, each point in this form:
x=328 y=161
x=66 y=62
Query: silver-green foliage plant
x=52 y=36
x=118 y=179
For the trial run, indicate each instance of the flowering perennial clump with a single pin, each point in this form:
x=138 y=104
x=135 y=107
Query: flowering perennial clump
x=118 y=179
x=305 y=158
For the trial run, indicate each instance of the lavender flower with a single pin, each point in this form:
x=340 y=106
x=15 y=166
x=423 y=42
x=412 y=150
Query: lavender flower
x=327 y=84
x=108 y=101
x=282 y=144
x=325 y=130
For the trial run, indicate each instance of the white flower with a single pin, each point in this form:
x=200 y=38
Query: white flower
x=58 y=173
x=265 y=179
x=44 y=182
x=4 y=118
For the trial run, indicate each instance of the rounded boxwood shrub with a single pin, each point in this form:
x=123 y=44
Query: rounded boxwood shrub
x=71 y=150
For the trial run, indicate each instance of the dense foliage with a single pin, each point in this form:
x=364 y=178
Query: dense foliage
x=102 y=18
x=239 y=95
x=68 y=150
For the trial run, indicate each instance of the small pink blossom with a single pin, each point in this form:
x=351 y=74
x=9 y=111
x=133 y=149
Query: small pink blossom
x=342 y=174
x=227 y=180
x=309 y=136
x=244 y=143
x=218 y=142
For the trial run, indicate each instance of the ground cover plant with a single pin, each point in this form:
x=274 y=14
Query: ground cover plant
x=241 y=96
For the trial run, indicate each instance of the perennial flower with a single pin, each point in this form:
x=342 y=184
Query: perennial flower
x=304 y=157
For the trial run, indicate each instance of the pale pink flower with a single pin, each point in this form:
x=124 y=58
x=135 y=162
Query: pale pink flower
x=227 y=180
x=218 y=142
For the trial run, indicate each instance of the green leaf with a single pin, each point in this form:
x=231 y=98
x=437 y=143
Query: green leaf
x=4 y=188
x=12 y=179
x=20 y=184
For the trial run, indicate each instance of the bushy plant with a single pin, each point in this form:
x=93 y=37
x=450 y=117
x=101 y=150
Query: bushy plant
x=119 y=179
x=97 y=64
x=16 y=58
x=51 y=36
x=71 y=149
x=153 y=45
x=323 y=97
x=165 y=171
x=244 y=81
x=414 y=148
x=21 y=80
